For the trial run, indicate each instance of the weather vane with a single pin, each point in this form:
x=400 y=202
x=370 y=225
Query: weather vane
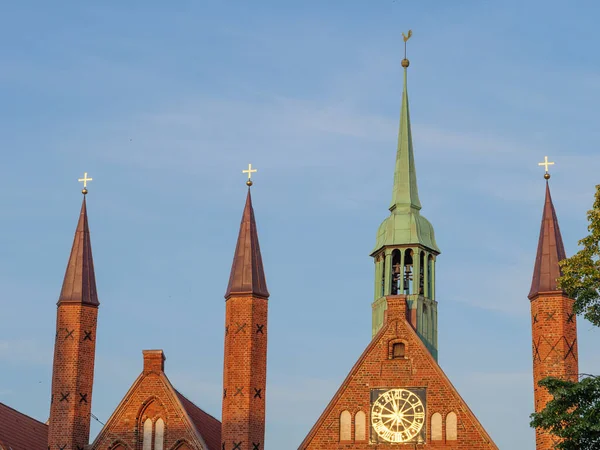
x=250 y=171
x=546 y=163
x=406 y=37
x=84 y=180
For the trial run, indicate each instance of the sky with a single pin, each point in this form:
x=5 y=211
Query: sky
x=165 y=103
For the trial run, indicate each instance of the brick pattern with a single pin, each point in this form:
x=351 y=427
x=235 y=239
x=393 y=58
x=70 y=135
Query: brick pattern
x=152 y=396
x=554 y=349
x=244 y=373
x=375 y=370
x=72 y=376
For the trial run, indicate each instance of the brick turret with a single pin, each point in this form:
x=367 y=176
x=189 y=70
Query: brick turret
x=553 y=323
x=245 y=363
x=75 y=347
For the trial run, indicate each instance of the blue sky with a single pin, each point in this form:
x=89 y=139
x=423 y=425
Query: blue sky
x=164 y=106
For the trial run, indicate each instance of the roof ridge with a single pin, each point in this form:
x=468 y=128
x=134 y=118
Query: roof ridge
x=23 y=414
x=194 y=404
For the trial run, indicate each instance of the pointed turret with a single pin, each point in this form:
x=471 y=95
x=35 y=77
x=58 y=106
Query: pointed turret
x=245 y=357
x=75 y=346
x=550 y=252
x=79 y=284
x=247 y=273
x=553 y=322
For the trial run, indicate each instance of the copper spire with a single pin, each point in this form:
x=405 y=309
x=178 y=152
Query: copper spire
x=79 y=285
x=247 y=273
x=550 y=251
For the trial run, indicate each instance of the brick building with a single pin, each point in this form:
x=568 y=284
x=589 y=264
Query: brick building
x=395 y=396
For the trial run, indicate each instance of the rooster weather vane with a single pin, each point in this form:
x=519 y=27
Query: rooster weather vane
x=406 y=37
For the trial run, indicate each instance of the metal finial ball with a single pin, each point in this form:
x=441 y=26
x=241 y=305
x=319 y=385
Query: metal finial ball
x=84 y=191
x=405 y=63
x=249 y=183
x=546 y=176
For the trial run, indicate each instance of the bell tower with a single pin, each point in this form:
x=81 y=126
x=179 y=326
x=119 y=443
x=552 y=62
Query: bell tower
x=553 y=322
x=405 y=252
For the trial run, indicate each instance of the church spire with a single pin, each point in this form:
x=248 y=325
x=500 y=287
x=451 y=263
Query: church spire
x=79 y=285
x=245 y=355
x=405 y=252
x=553 y=322
x=75 y=345
x=247 y=273
x=550 y=251
x=405 y=193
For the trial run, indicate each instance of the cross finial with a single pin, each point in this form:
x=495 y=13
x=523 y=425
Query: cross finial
x=546 y=163
x=84 y=180
x=250 y=171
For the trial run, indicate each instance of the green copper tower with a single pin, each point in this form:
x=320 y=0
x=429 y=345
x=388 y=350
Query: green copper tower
x=406 y=251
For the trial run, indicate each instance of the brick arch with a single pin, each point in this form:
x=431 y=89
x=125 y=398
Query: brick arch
x=118 y=445
x=151 y=408
x=181 y=445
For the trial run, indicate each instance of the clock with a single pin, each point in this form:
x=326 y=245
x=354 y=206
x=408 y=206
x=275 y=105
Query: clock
x=398 y=415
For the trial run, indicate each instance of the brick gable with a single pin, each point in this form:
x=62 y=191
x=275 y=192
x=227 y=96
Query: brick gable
x=375 y=370
x=152 y=396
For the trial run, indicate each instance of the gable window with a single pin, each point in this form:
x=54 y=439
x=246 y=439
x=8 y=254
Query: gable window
x=360 y=425
x=398 y=350
x=451 y=427
x=345 y=426
x=154 y=431
x=436 y=427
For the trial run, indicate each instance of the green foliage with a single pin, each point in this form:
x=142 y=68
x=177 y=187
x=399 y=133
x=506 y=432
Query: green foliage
x=581 y=272
x=574 y=413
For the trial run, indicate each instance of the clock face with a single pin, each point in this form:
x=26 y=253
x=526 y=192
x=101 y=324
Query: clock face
x=398 y=415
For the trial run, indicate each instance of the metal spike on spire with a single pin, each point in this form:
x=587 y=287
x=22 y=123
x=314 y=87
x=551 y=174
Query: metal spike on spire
x=550 y=251
x=247 y=273
x=79 y=285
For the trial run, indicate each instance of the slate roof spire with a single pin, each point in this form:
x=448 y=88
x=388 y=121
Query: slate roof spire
x=79 y=285
x=247 y=274
x=550 y=251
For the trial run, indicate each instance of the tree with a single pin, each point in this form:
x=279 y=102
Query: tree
x=573 y=414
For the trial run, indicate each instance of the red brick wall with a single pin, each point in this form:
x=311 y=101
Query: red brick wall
x=150 y=397
x=244 y=372
x=376 y=370
x=554 y=334
x=72 y=376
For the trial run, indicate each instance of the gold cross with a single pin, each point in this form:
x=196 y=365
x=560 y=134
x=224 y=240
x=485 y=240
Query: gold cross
x=546 y=163
x=250 y=171
x=84 y=180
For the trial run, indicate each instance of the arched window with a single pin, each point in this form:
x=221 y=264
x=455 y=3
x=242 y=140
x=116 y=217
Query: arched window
x=451 y=427
x=345 y=426
x=396 y=272
x=383 y=274
x=421 y=290
x=360 y=426
x=408 y=272
x=147 y=443
x=430 y=277
x=159 y=435
x=436 y=427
